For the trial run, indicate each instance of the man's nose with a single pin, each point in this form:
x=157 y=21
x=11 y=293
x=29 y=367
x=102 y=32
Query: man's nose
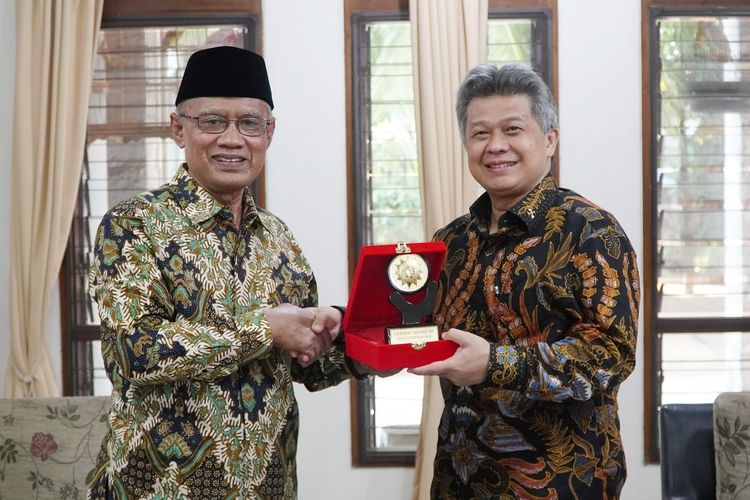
x=498 y=142
x=231 y=135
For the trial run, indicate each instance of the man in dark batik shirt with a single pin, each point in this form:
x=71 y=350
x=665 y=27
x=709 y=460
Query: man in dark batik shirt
x=540 y=290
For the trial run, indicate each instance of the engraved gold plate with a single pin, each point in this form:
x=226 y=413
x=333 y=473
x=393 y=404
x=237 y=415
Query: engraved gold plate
x=408 y=272
x=417 y=336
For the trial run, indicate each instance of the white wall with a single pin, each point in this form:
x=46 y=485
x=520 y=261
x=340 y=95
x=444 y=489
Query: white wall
x=599 y=82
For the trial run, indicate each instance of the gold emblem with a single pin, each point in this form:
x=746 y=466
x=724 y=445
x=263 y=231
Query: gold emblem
x=408 y=272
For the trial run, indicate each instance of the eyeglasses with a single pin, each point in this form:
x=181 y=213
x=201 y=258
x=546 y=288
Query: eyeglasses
x=252 y=126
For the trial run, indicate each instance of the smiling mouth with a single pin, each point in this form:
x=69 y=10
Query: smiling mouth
x=228 y=161
x=501 y=165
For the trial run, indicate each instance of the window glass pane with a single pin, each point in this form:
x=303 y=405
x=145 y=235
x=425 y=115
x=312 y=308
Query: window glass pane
x=398 y=400
x=509 y=40
x=703 y=167
x=697 y=367
x=394 y=202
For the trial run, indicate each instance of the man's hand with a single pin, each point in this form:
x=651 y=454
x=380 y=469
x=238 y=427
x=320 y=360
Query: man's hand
x=326 y=324
x=467 y=366
x=291 y=330
x=327 y=321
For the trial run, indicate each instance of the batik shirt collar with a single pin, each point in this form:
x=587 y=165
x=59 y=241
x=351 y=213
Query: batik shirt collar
x=200 y=205
x=527 y=214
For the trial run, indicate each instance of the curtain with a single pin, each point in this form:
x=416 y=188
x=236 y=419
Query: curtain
x=55 y=48
x=448 y=39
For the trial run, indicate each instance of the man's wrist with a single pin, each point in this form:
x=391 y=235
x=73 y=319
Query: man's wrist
x=340 y=338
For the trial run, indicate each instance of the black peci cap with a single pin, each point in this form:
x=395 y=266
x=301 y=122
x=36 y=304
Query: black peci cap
x=225 y=72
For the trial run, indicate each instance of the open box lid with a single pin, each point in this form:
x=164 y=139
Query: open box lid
x=368 y=305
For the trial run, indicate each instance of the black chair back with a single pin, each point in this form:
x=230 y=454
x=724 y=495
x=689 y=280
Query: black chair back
x=686 y=445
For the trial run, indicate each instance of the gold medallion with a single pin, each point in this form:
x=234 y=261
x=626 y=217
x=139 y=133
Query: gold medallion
x=408 y=272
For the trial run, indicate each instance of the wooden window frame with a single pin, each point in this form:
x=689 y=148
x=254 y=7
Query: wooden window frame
x=652 y=325
x=77 y=371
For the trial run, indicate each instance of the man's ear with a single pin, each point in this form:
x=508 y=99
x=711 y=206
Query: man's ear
x=178 y=129
x=269 y=131
x=550 y=141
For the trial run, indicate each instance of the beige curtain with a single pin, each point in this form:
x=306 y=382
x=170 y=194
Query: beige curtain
x=55 y=47
x=448 y=38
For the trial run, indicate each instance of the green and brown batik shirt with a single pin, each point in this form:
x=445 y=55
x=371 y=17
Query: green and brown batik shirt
x=202 y=402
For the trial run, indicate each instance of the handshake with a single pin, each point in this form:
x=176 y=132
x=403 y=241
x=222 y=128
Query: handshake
x=306 y=334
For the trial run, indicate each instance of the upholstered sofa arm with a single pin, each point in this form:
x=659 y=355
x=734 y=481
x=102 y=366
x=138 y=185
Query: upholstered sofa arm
x=49 y=445
x=732 y=445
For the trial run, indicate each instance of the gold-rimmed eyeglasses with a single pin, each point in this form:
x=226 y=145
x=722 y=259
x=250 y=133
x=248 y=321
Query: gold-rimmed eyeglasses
x=252 y=126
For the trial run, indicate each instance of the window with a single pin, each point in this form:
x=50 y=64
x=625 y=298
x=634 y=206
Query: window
x=129 y=149
x=385 y=178
x=697 y=205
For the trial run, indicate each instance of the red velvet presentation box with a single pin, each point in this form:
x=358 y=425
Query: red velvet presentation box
x=370 y=312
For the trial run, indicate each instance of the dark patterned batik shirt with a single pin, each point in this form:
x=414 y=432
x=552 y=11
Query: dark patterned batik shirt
x=555 y=291
x=202 y=402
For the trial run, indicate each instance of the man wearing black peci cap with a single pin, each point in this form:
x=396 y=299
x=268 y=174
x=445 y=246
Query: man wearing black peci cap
x=204 y=300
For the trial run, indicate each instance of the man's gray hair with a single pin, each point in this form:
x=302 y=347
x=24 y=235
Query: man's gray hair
x=487 y=80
